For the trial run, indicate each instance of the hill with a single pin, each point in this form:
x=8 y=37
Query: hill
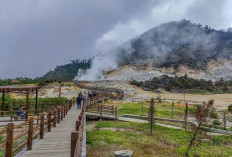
x=177 y=43
x=176 y=48
x=68 y=71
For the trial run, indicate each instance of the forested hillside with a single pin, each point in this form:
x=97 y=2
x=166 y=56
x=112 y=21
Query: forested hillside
x=68 y=72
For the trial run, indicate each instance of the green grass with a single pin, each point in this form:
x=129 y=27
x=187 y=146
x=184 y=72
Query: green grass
x=2 y=139
x=162 y=110
x=164 y=141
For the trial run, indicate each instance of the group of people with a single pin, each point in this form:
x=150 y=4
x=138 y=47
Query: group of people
x=85 y=97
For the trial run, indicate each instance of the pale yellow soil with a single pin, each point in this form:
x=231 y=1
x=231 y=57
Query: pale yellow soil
x=221 y=100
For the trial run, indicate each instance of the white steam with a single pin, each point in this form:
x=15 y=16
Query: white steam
x=106 y=46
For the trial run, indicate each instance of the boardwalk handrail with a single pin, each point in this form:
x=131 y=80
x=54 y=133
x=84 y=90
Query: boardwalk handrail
x=102 y=109
x=45 y=121
x=119 y=92
x=77 y=135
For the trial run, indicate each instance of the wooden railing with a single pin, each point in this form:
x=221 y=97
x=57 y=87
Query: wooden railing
x=31 y=130
x=119 y=92
x=77 y=135
x=102 y=109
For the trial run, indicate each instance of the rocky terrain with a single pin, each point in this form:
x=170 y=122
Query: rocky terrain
x=215 y=70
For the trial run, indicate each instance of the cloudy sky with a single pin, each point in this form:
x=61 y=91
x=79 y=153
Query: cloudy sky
x=38 y=35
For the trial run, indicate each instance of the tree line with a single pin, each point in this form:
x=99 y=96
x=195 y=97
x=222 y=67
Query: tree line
x=185 y=84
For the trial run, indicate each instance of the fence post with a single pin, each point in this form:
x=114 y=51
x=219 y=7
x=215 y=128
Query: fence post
x=58 y=115
x=49 y=121
x=116 y=112
x=11 y=115
x=54 y=119
x=172 y=109
x=62 y=113
x=9 y=140
x=224 y=119
x=42 y=126
x=152 y=109
x=100 y=111
x=30 y=133
x=80 y=117
x=78 y=123
x=142 y=108
x=66 y=109
x=186 y=115
x=74 y=138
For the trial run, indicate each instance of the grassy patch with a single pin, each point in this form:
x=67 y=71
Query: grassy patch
x=162 y=110
x=164 y=141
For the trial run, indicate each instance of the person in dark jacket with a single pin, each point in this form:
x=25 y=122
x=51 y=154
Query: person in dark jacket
x=21 y=112
x=79 y=100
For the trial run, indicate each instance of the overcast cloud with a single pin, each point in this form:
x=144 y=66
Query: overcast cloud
x=37 y=35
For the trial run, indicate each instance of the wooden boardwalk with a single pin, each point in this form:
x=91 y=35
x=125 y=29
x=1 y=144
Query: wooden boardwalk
x=56 y=143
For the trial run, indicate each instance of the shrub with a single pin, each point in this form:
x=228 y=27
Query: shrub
x=213 y=113
x=216 y=122
x=230 y=108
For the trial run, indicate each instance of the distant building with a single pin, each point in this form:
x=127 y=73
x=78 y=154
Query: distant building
x=15 y=81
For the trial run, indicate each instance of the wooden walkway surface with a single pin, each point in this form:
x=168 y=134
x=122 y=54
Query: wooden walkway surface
x=57 y=143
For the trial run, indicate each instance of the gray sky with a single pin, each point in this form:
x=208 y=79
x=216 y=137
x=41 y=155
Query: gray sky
x=38 y=35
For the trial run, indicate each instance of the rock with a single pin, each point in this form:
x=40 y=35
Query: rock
x=123 y=153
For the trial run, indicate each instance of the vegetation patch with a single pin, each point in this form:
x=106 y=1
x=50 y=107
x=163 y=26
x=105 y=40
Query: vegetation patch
x=164 y=141
x=185 y=84
x=162 y=109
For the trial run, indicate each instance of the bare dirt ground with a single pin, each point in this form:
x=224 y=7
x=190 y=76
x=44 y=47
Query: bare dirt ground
x=134 y=93
x=221 y=100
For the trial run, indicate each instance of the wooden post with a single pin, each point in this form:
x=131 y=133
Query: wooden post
x=80 y=117
x=74 y=138
x=186 y=115
x=62 y=110
x=152 y=114
x=172 y=109
x=49 y=121
x=42 y=126
x=60 y=95
x=224 y=119
x=66 y=109
x=78 y=123
x=100 y=111
x=3 y=102
x=54 y=120
x=11 y=115
x=36 y=101
x=116 y=112
x=30 y=133
x=73 y=101
x=9 y=140
x=58 y=115
x=27 y=104
x=142 y=108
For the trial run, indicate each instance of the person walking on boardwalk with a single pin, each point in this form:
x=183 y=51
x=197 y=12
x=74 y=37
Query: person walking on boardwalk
x=79 y=99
